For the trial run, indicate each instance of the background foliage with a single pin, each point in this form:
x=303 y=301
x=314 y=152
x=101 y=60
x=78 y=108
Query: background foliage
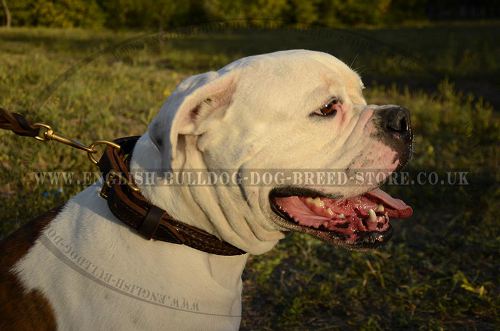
x=154 y=14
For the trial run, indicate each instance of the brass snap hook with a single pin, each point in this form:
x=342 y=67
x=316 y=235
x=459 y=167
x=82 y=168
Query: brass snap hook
x=91 y=149
x=47 y=133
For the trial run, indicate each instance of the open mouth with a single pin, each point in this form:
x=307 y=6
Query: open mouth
x=357 y=222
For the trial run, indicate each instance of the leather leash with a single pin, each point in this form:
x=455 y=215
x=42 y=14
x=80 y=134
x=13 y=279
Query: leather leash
x=122 y=195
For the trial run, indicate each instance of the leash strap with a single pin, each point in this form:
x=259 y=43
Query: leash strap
x=123 y=197
x=17 y=123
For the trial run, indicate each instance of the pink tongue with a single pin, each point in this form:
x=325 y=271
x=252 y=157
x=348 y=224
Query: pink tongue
x=397 y=204
x=300 y=212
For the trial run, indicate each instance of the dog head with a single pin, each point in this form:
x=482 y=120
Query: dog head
x=282 y=112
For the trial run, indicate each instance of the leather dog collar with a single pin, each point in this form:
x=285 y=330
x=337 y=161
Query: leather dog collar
x=152 y=222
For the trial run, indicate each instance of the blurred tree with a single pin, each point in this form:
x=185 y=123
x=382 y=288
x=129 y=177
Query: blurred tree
x=267 y=11
x=144 y=13
x=354 y=12
x=256 y=12
x=407 y=10
x=6 y=14
x=161 y=14
x=56 y=13
x=225 y=10
x=68 y=13
x=119 y=13
x=303 y=12
x=21 y=12
x=165 y=13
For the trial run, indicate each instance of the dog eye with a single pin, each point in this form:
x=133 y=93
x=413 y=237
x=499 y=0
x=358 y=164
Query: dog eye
x=328 y=109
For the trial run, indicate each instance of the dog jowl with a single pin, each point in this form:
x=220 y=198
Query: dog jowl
x=350 y=219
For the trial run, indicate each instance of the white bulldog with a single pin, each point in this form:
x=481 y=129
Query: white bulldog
x=288 y=111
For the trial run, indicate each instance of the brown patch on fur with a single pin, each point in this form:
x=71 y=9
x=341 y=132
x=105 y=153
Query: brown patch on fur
x=21 y=310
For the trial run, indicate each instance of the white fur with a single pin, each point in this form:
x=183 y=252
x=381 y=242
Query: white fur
x=81 y=303
x=251 y=114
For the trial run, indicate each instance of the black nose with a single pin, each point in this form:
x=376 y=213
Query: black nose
x=396 y=119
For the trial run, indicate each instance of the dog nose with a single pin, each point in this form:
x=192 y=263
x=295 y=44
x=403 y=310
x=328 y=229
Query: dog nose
x=397 y=119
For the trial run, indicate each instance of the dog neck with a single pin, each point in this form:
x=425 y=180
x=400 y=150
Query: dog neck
x=209 y=208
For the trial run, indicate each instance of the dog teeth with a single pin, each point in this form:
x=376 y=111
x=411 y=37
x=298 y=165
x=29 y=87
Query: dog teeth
x=372 y=216
x=316 y=202
x=329 y=211
x=341 y=216
x=319 y=203
x=380 y=208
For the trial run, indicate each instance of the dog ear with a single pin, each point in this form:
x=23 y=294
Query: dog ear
x=194 y=100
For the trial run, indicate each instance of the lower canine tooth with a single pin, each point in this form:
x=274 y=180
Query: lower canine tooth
x=373 y=217
x=380 y=208
x=341 y=216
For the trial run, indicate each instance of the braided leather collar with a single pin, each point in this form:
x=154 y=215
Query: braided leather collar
x=132 y=208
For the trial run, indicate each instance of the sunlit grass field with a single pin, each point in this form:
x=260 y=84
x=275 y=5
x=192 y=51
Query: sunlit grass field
x=439 y=272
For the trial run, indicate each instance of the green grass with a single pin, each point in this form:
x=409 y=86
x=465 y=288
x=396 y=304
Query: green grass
x=439 y=272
